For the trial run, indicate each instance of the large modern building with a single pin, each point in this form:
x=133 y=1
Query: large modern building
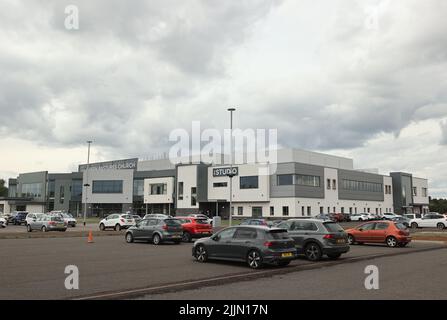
x=300 y=183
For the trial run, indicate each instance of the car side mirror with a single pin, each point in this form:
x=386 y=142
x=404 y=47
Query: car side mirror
x=361 y=229
x=216 y=238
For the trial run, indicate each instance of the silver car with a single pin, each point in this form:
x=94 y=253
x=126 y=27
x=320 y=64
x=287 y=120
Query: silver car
x=46 y=223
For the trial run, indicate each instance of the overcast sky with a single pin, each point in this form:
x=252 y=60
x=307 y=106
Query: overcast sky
x=363 y=79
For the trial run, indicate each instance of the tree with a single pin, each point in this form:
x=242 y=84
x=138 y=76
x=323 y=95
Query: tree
x=3 y=188
x=438 y=205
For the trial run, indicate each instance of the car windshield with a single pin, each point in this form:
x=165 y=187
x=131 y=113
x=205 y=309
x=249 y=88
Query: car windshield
x=277 y=234
x=333 y=227
x=172 y=222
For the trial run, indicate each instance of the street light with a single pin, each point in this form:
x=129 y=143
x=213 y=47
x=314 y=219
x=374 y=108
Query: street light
x=86 y=185
x=231 y=175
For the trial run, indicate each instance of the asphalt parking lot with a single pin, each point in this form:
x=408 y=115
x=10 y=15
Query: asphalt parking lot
x=34 y=268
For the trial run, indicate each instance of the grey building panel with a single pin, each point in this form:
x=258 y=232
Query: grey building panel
x=202 y=183
x=33 y=177
x=357 y=194
x=154 y=174
x=402 y=190
x=277 y=191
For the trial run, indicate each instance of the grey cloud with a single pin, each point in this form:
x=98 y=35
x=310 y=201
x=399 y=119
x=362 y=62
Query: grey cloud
x=443 y=125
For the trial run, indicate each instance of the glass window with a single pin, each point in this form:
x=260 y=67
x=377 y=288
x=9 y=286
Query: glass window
x=285 y=179
x=272 y=211
x=107 y=186
x=277 y=235
x=285 y=211
x=305 y=180
x=361 y=186
x=226 y=234
x=251 y=182
x=51 y=189
x=381 y=226
x=334 y=184
x=76 y=188
x=220 y=184
x=158 y=188
x=240 y=211
x=328 y=183
x=180 y=190
x=32 y=190
x=242 y=233
x=193 y=196
x=138 y=187
x=368 y=226
x=333 y=227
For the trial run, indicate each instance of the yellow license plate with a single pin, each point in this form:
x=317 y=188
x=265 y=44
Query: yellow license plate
x=341 y=241
x=287 y=255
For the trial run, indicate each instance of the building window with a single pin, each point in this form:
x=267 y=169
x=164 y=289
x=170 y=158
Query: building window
x=302 y=211
x=76 y=189
x=232 y=211
x=342 y=209
x=180 y=190
x=361 y=186
x=138 y=187
x=107 y=186
x=284 y=179
x=32 y=190
x=321 y=210
x=328 y=182
x=387 y=189
x=61 y=194
x=335 y=210
x=194 y=196
x=240 y=211
x=285 y=211
x=350 y=210
x=355 y=210
x=251 y=182
x=328 y=210
x=334 y=184
x=415 y=191
x=424 y=192
x=51 y=189
x=369 y=210
x=158 y=188
x=272 y=211
x=220 y=184
x=309 y=211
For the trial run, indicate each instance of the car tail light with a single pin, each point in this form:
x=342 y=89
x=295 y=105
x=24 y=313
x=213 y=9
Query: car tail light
x=51 y=223
x=165 y=227
x=268 y=244
x=122 y=220
x=328 y=236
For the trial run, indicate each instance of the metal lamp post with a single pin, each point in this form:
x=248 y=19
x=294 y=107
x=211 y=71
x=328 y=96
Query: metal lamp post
x=231 y=162
x=86 y=184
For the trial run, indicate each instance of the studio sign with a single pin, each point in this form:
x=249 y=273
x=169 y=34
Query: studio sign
x=223 y=172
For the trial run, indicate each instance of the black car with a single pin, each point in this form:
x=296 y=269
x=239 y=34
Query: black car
x=19 y=218
x=315 y=238
x=255 y=245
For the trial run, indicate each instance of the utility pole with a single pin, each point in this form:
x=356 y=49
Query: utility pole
x=86 y=184
x=231 y=175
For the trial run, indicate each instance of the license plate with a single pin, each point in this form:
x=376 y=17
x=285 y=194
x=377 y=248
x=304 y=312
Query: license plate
x=341 y=241
x=287 y=255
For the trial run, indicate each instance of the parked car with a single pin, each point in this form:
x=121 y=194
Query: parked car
x=324 y=217
x=116 y=221
x=194 y=228
x=156 y=216
x=137 y=218
x=430 y=220
x=3 y=222
x=69 y=219
x=256 y=222
x=255 y=245
x=46 y=223
x=201 y=216
x=7 y=217
x=339 y=217
x=402 y=220
x=359 y=217
x=415 y=219
x=390 y=216
x=392 y=233
x=19 y=218
x=315 y=238
x=32 y=217
x=276 y=222
x=156 y=230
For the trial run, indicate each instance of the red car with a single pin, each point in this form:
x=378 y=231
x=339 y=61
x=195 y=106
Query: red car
x=194 y=228
x=392 y=233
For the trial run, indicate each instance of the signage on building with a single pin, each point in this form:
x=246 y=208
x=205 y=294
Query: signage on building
x=111 y=165
x=223 y=172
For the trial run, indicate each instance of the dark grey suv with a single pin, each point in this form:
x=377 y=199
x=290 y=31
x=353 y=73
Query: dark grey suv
x=315 y=238
x=156 y=230
x=254 y=245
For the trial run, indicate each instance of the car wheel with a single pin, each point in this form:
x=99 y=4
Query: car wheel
x=440 y=226
x=29 y=229
x=117 y=227
x=186 y=237
x=156 y=239
x=312 y=252
x=360 y=219
x=414 y=225
x=102 y=227
x=351 y=239
x=129 y=237
x=254 y=259
x=334 y=256
x=391 y=242
x=44 y=229
x=201 y=254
